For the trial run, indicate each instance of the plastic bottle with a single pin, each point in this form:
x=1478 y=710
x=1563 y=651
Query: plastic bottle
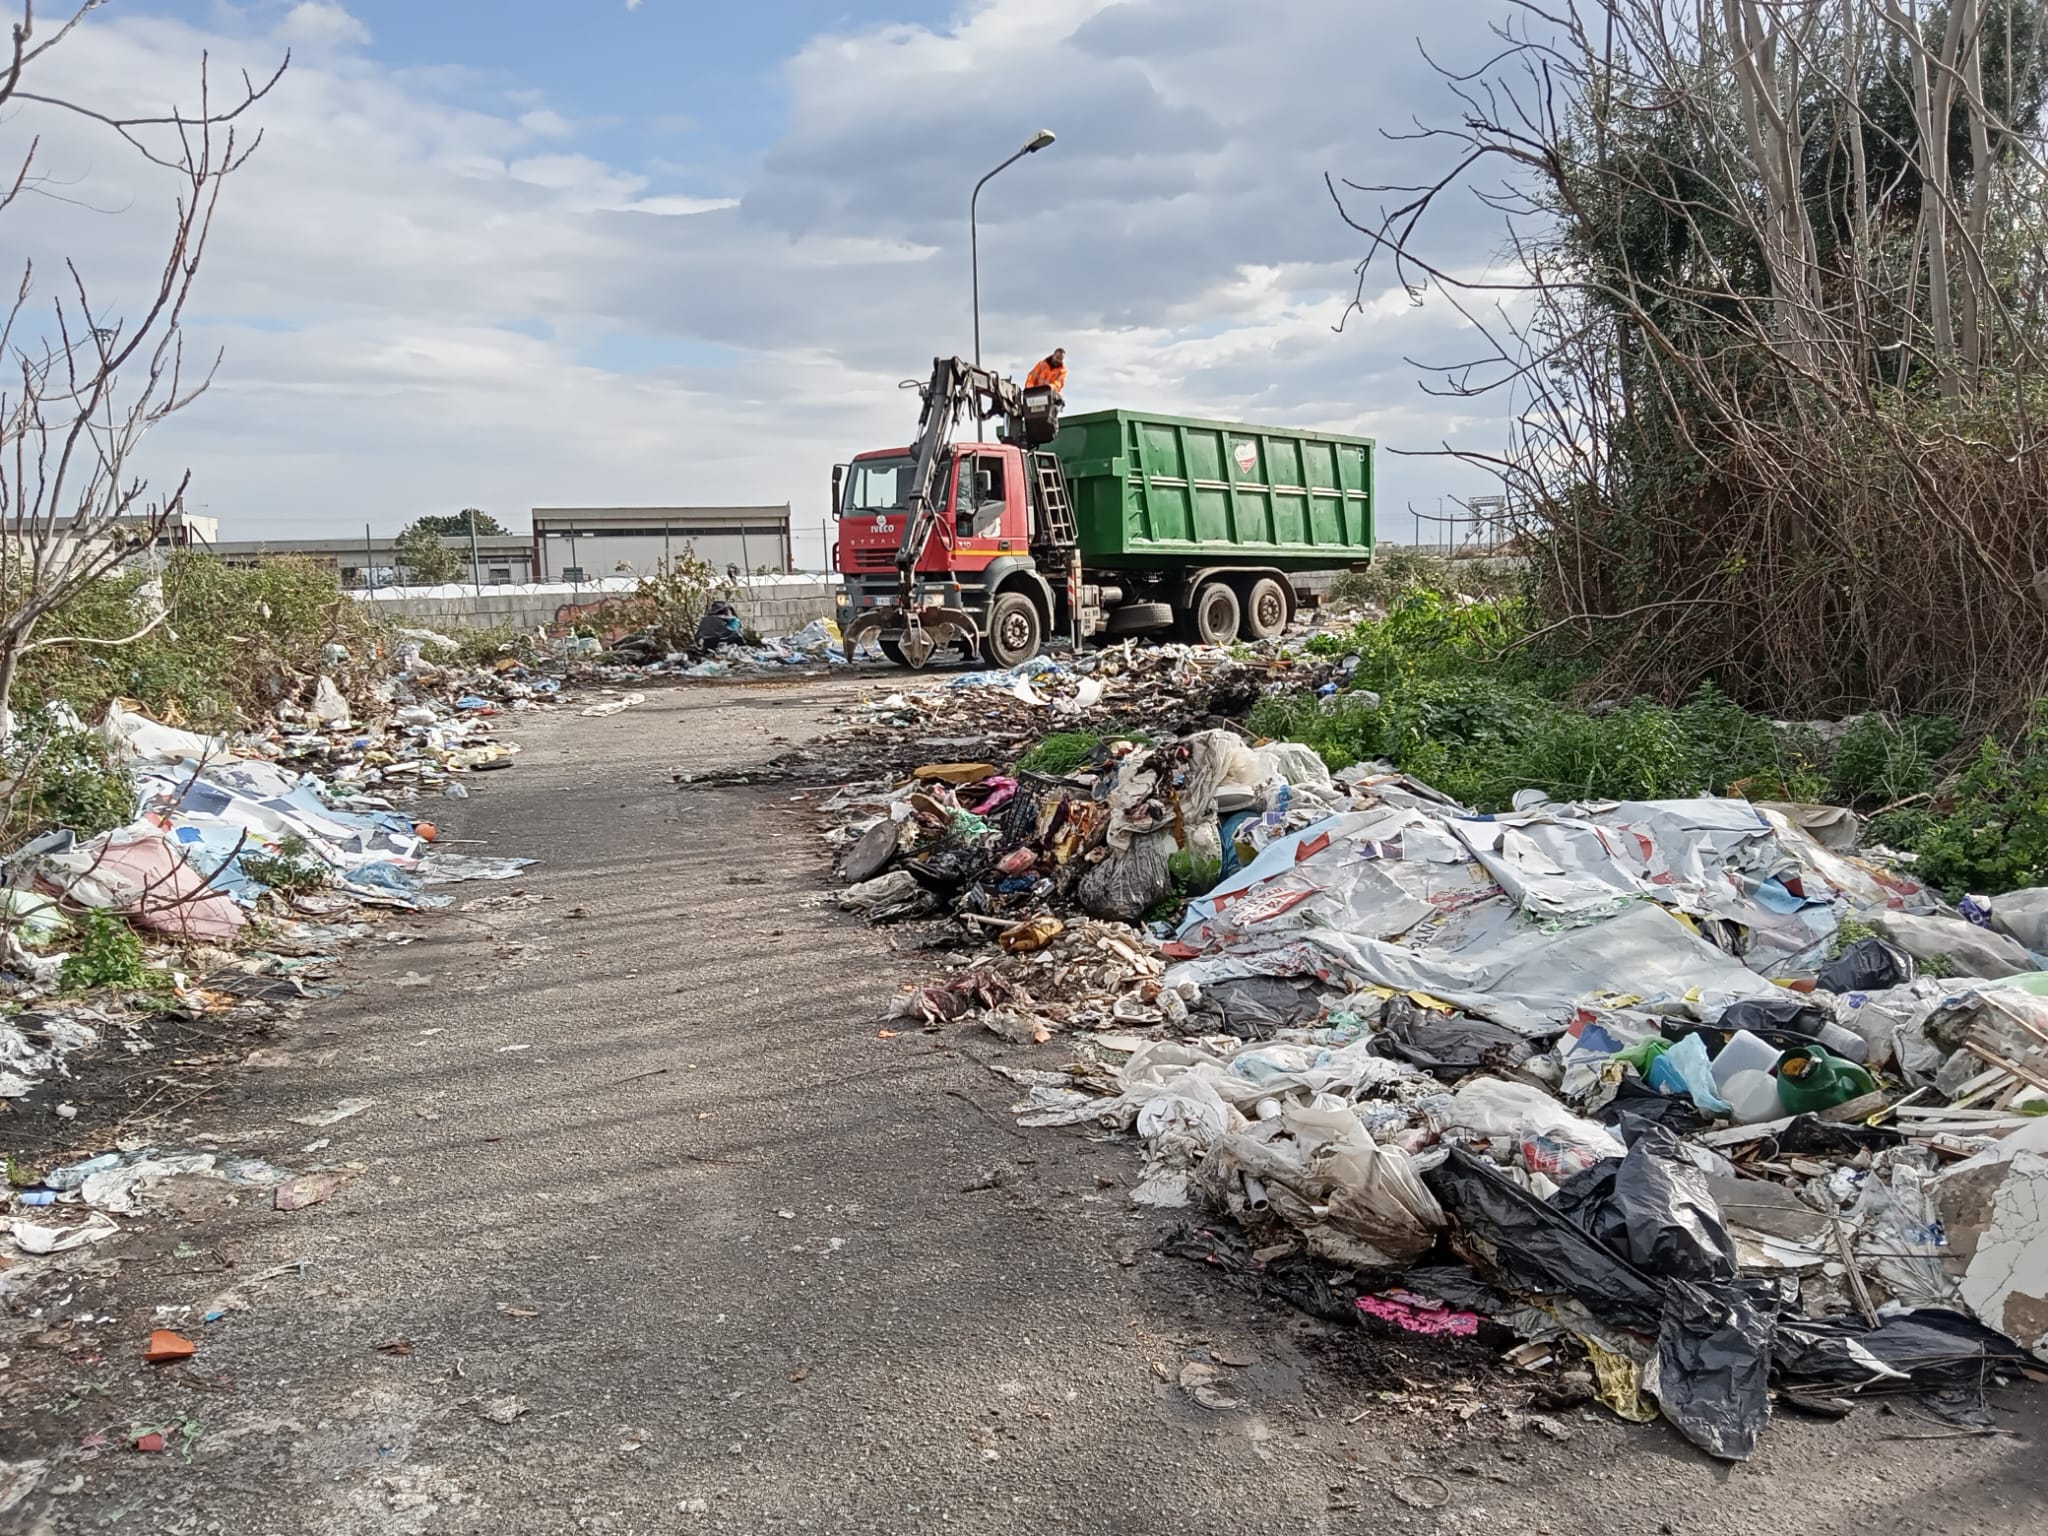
x=1843 y=1042
x=1810 y=1080
x=1744 y=1052
x=1752 y=1095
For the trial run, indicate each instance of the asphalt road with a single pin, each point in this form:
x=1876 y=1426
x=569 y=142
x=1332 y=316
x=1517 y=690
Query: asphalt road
x=641 y=1180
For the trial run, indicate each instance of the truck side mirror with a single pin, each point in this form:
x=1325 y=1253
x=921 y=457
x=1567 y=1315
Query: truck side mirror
x=838 y=479
x=984 y=486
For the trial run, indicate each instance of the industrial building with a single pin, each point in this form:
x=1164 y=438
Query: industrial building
x=501 y=559
x=588 y=543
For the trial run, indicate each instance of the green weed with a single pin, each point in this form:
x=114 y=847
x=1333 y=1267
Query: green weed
x=292 y=870
x=109 y=954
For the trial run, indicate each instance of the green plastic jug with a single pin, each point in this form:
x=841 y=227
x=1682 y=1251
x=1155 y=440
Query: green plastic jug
x=1811 y=1079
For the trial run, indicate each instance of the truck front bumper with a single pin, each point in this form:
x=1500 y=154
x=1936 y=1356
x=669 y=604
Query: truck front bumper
x=915 y=631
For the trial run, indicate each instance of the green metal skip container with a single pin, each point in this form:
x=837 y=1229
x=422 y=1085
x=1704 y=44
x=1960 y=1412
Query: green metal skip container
x=1155 y=492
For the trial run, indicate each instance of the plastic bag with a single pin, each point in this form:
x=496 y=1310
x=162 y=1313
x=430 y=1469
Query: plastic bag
x=2021 y=915
x=1520 y=1243
x=1974 y=951
x=1654 y=1208
x=1686 y=1068
x=1712 y=1373
x=1868 y=965
x=1126 y=885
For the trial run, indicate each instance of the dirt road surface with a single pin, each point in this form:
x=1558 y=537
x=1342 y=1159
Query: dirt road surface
x=655 y=1234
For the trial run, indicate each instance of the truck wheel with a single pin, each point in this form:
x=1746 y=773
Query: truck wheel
x=1014 y=632
x=892 y=652
x=1214 y=617
x=1138 y=619
x=1265 y=610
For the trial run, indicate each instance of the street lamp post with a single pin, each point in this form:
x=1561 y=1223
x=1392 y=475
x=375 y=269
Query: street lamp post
x=1038 y=141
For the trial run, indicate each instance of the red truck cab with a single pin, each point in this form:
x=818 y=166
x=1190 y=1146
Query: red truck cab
x=987 y=514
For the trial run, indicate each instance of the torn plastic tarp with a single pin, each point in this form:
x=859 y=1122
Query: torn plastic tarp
x=143 y=874
x=1529 y=979
x=1414 y=895
x=450 y=868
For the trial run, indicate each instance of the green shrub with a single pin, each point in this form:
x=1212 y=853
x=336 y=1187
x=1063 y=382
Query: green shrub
x=1990 y=831
x=1882 y=761
x=108 y=954
x=234 y=641
x=1060 y=753
x=61 y=776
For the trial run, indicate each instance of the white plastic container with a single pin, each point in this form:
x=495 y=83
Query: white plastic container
x=1744 y=1052
x=1752 y=1095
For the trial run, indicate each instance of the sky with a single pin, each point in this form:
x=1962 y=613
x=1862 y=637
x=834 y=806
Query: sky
x=508 y=254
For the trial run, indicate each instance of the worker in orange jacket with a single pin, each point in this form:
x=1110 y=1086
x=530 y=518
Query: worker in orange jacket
x=1050 y=372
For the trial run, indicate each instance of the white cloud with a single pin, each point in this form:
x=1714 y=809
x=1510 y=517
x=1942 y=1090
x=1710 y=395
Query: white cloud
x=428 y=301
x=322 y=24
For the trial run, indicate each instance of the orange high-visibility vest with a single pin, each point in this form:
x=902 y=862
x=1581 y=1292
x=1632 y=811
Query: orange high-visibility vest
x=1048 y=373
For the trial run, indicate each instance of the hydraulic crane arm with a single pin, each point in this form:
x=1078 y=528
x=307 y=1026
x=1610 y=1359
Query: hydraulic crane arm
x=956 y=386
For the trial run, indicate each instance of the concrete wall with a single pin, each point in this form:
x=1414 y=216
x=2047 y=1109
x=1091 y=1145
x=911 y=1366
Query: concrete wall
x=771 y=605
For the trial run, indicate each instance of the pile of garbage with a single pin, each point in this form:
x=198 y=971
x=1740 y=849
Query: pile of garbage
x=722 y=648
x=1690 y=1091
x=222 y=824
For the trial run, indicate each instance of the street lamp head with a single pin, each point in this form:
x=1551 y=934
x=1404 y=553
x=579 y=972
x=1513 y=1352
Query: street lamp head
x=1039 y=140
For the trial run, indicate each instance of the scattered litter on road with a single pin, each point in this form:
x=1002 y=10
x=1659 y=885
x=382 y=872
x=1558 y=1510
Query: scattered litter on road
x=347 y=1109
x=502 y=1410
x=165 y=1346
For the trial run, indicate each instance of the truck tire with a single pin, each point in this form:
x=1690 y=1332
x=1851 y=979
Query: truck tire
x=1014 y=631
x=1212 y=618
x=1139 y=618
x=1265 y=610
x=892 y=652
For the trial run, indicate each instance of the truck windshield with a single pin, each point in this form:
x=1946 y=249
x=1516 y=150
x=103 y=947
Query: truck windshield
x=879 y=485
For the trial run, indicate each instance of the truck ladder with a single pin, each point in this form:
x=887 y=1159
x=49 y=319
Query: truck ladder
x=1057 y=530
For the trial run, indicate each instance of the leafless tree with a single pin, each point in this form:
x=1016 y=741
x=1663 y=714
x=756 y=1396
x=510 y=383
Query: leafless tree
x=84 y=381
x=1770 y=315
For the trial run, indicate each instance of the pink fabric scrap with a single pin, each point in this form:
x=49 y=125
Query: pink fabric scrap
x=1419 y=1315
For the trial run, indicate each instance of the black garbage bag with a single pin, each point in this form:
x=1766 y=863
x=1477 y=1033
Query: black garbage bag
x=1786 y=1022
x=1868 y=965
x=1714 y=1363
x=1926 y=1349
x=1637 y=1106
x=1258 y=1007
x=1457 y=1287
x=1521 y=1244
x=948 y=867
x=1654 y=1208
x=1811 y=1136
x=1450 y=1045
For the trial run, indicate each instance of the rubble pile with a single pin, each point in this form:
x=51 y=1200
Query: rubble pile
x=1662 y=1089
